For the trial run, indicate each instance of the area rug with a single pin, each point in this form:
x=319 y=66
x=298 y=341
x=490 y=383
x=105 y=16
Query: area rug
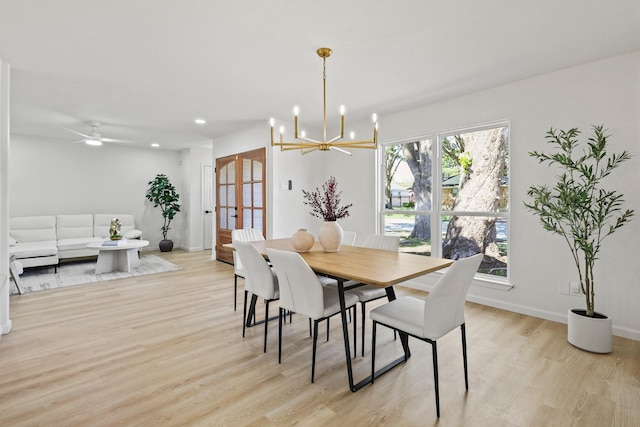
x=81 y=272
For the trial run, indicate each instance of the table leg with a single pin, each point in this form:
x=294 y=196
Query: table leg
x=252 y=311
x=345 y=334
x=404 y=339
x=106 y=263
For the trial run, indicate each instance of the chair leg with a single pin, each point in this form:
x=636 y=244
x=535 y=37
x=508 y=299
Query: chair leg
x=266 y=324
x=280 y=314
x=434 y=350
x=244 y=316
x=373 y=351
x=327 y=329
x=313 y=356
x=464 y=355
x=362 y=304
x=355 y=331
x=235 y=291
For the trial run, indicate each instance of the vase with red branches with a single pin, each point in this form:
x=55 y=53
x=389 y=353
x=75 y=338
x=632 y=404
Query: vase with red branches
x=325 y=204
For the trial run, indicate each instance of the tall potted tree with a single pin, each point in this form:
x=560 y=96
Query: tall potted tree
x=581 y=210
x=163 y=194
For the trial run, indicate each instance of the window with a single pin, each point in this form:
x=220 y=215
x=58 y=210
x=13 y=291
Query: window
x=447 y=194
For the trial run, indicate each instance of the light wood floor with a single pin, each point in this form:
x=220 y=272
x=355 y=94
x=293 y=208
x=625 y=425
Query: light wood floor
x=167 y=349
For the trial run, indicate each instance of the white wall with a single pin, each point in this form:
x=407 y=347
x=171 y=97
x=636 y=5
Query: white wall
x=49 y=177
x=5 y=321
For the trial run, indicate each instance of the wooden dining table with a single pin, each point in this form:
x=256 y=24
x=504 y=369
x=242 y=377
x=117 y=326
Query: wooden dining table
x=367 y=266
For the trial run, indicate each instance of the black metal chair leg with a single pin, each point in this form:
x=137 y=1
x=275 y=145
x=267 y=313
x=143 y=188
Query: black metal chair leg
x=434 y=350
x=355 y=331
x=244 y=315
x=280 y=314
x=235 y=291
x=313 y=356
x=327 y=329
x=266 y=324
x=363 y=325
x=373 y=352
x=464 y=355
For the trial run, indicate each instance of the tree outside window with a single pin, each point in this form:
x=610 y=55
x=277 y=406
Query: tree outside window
x=460 y=202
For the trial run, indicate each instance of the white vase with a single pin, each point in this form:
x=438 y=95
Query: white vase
x=302 y=240
x=330 y=236
x=593 y=334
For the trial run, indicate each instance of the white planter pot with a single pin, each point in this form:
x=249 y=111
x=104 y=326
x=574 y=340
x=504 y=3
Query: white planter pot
x=593 y=334
x=330 y=236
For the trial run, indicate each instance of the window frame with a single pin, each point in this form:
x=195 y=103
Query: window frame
x=437 y=212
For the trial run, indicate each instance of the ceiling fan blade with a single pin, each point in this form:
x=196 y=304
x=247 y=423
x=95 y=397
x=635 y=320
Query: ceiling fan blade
x=115 y=140
x=78 y=133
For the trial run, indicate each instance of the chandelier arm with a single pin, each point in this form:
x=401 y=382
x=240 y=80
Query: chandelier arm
x=333 y=147
x=295 y=145
x=304 y=138
x=354 y=143
x=308 y=150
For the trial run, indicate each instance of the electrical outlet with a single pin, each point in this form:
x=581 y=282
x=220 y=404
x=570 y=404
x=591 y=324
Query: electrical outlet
x=575 y=288
x=563 y=288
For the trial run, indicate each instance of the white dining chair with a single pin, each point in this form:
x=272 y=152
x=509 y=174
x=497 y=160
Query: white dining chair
x=260 y=281
x=241 y=235
x=367 y=293
x=431 y=318
x=302 y=292
x=348 y=237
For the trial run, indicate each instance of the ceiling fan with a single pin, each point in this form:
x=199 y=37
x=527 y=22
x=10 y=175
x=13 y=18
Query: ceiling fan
x=93 y=137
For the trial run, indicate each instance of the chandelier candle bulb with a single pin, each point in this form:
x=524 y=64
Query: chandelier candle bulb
x=272 y=123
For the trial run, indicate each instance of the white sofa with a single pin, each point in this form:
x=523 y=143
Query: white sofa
x=45 y=240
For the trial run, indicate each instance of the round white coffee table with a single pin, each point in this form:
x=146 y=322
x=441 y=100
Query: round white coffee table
x=123 y=257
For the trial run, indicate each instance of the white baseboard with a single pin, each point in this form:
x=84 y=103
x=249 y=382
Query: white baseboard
x=619 y=331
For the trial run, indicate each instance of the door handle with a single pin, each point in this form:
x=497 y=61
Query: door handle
x=208 y=212
x=234 y=216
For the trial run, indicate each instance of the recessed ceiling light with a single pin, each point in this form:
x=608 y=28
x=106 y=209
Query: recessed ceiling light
x=155 y=144
x=200 y=121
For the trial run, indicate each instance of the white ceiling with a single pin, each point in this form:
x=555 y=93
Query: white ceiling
x=146 y=68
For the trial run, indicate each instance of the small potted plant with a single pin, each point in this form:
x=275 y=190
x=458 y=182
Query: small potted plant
x=163 y=194
x=325 y=204
x=580 y=210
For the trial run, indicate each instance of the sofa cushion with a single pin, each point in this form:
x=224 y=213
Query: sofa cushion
x=34 y=249
x=74 y=226
x=102 y=223
x=132 y=234
x=77 y=243
x=27 y=229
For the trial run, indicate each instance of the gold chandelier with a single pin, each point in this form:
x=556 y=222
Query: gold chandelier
x=305 y=144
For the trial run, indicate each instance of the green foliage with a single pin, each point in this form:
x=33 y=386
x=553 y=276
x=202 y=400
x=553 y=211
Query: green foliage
x=465 y=161
x=578 y=207
x=162 y=193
